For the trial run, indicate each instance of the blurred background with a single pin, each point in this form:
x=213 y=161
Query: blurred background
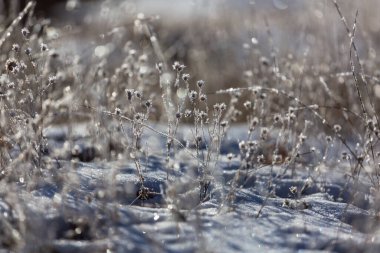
x=227 y=43
x=221 y=35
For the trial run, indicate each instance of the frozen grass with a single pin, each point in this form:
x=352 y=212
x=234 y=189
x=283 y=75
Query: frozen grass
x=111 y=142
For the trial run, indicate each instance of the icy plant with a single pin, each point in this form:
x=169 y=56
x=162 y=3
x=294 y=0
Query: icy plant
x=148 y=124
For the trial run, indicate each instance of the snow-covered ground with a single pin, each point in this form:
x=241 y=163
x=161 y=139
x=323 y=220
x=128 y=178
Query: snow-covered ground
x=96 y=209
x=96 y=193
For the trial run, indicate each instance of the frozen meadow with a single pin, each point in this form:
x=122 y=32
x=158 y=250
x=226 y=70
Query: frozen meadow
x=226 y=126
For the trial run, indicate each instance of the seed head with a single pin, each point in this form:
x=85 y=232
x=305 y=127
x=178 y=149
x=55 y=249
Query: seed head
x=159 y=67
x=44 y=47
x=186 y=77
x=237 y=113
x=370 y=124
x=188 y=113
x=193 y=95
x=237 y=94
x=12 y=65
x=247 y=105
x=138 y=94
x=263 y=96
x=148 y=103
x=242 y=146
x=255 y=122
x=52 y=80
x=224 y=123
x=138 y=116
x=25 y=32
x=337 y=128
x=16 y=47
x=28 y=51
x=264 y=133
x=260 y=159
x=202 y=114
x=277 y=158
x=130 y=93
x=345 y=156
x=293 y=190
x=178 y=67
x=200 y=83
x=203 y=97
x=292 y=116
x=277 y=118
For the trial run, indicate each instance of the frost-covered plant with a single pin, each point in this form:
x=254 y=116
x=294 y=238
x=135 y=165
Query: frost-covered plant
x=297 y=123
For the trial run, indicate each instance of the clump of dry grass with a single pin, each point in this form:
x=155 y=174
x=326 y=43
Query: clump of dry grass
x=130 y=80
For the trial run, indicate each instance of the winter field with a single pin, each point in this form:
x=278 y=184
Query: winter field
x=190 y=126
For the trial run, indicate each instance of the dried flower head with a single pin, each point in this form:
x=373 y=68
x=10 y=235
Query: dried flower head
x=188 y=113
x=25 y=32
x=28 y=51
x=178 y=67
x=138 y=116
x=159 y=67
x=224 y=123
x=337 y=128
x=291 y=117
x=247 y=105
x=260 y=159
x=277 y=158
x=277 y=118
x=16 y=47
x=138 y=94
x=11 y=65
x=193 y=95
x=148 y=103
x=255 y=122
x=237 y=113
x=186 y=77
x=202 y=114
x=242 y=146
x=175 y=65
x=264 y=133
x=345 y=156
x=200 y=83
x=130 y=93
x=52 y=80
x=293 y=190
x=44 y=47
